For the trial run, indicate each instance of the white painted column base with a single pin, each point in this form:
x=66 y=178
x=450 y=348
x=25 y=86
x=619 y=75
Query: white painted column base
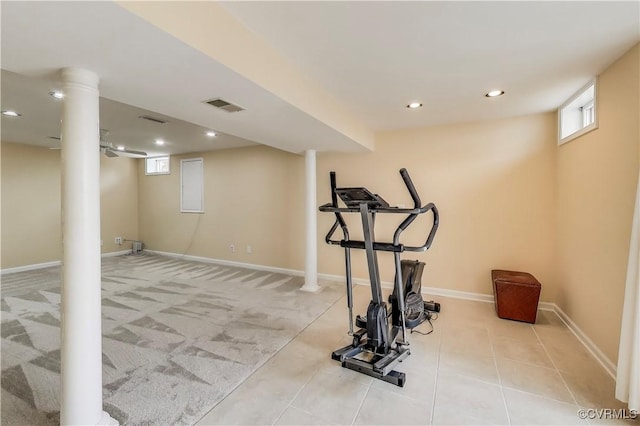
x=311 y=225
x=310 y=288
x=107 y=420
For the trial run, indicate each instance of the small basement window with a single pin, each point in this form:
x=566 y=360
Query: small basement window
x=157 y=165
x=578 y=115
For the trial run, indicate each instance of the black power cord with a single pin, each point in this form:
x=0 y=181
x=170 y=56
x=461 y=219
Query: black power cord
x=430 y=316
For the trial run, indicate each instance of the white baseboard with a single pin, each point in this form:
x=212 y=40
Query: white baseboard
x=582 y=337
x=432 y=291
x=52 y=263
x=457 y=294
x=609 y=366
x=606 y=363
x=229 y=263
x=29 y=267
x=116 y=253
x=341 y=279
x=547 y=306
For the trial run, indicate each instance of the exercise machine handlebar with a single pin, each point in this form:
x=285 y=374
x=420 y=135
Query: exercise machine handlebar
x=339 y=219
x=405 y=224
x=395 y=246
x=334 y=196
x=412 y=189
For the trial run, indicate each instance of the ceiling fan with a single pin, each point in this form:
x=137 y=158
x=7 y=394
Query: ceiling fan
x=109 y=150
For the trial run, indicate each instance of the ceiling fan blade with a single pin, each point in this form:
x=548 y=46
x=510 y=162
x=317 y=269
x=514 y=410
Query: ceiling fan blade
x=133 y=152
x=111 y=151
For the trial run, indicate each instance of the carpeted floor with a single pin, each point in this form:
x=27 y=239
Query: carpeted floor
x=178 y=336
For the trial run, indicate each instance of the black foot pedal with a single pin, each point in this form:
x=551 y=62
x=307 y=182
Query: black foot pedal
x=432 y=306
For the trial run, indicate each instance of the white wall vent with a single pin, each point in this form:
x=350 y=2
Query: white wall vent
x=224 y=105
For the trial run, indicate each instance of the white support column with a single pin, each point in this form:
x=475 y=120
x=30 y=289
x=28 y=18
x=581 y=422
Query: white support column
x=81 y=329
x=311 y=224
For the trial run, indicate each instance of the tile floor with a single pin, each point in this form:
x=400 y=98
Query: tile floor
x=473 y=369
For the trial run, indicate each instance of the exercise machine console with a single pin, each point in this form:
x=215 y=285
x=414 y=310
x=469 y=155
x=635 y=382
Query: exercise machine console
x=378 y=345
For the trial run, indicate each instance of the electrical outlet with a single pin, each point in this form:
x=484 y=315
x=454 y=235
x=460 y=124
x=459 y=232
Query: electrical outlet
x=232 y=248
x=249 y=249
x=119 y=240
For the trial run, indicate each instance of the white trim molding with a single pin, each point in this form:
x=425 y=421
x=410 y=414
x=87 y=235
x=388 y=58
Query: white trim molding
x=29 y=267
x=602 y=359
x=228 y=263
x=572 y=108
x=607 y=364
x=35 y=266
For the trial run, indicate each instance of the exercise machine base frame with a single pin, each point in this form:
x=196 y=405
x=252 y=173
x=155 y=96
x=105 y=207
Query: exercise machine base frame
x=379 y=366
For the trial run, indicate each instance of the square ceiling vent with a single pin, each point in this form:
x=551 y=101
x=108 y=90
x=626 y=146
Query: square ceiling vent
x=224 y=105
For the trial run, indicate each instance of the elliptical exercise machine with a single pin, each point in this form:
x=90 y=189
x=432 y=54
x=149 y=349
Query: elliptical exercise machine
x=378 y=347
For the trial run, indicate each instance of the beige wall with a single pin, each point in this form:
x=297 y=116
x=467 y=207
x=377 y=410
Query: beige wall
x=30 y=205
x=118 y=201
x=597 y=176
x=246 y=204
x=31 y=224
x=493 y=183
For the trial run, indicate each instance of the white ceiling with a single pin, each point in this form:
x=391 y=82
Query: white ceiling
x=372 y=57
x=143 y=66
x=376 y=57
x=40 y=122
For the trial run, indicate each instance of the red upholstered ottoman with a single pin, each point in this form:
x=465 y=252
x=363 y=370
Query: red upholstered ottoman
x=516 y=295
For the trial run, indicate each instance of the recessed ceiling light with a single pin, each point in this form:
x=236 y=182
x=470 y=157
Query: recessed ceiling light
x=494 y=93
x=10 y=113
x=159 y=142
x=56 y=94
x=211 y=134
x=414 y=105
x=120 y=148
